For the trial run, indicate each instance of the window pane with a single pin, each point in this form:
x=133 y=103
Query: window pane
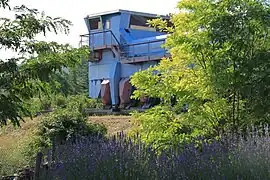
x=99 y=25
x=140 y=23
x=108 y=24
x=95 y=23
x=139 y=20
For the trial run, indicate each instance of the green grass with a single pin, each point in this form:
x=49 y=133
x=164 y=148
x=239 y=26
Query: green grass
x=13 y=142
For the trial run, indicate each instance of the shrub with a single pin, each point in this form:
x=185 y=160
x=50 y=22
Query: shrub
x=60 y=101
x=81 y=102
x=75 y=102
x=62 y=125
x=46 y=103
x=65 y=124
x=33 y=105
x=160 y=127
x=36 y=104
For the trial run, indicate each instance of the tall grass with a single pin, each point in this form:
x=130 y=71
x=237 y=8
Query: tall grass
x=233 y=156
x=13 y=144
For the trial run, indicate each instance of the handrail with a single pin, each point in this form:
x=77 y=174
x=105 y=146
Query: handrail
x=146 y=42
x=130 y=53
x=100 y=32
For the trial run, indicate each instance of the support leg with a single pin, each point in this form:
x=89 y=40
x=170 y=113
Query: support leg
x=114 y=86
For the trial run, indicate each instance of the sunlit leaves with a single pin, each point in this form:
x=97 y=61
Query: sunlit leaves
x=219 y=65
x=37 y=62
x=28 y=23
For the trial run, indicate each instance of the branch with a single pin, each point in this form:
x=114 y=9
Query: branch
x=4 y=4
x=27 y=25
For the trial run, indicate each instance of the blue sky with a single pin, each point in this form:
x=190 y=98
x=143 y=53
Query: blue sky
x=75 y=11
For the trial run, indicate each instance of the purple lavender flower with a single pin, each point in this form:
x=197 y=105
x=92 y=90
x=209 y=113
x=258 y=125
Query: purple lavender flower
x=231 y=157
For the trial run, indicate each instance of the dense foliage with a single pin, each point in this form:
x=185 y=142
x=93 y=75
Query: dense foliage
x=233 y=157
x=73 y=81
x=64 y=125
x=19 y=146
x=37 y=63
x=60 y=126
x=68 y=120
x=219 y=69
x=47 y=103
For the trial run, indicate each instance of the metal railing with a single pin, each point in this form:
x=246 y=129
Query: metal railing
x=144 y=49
x=100 y=39
x=106 y=39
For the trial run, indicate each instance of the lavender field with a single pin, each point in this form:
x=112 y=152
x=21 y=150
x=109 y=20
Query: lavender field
x=230 y=157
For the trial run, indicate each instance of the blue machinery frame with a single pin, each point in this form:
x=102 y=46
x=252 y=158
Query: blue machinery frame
x=121 y=44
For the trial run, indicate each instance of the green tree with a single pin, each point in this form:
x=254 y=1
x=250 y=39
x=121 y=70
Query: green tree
x=37 y=62
x=74 y=81
x=219 y=67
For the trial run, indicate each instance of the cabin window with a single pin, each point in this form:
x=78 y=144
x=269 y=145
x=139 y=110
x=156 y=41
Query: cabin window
x=95 y=24
x=140 y=23
x=108 y=24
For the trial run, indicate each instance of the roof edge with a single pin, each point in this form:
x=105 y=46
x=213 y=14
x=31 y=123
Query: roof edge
x=128 y=12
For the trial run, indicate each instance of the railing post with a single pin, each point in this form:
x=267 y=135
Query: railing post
x=111 y=37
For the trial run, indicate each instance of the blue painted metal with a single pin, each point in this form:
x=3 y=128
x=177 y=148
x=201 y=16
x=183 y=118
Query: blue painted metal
x=120 y=50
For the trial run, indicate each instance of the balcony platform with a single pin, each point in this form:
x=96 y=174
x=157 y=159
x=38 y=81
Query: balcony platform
x=138 y=59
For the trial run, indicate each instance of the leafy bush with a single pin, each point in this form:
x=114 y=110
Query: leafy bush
x=46 y=103
x=162 y=127
x=65 y=124
x=81 y=102
x=60 y=126
x=211 y=68
x=36 y=104
x=158 y=127
x=33 y=105
x=60 y=101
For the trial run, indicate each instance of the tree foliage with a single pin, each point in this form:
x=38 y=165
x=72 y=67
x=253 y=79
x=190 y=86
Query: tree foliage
x=37 y=62
x=74 y=81
x=219 y=67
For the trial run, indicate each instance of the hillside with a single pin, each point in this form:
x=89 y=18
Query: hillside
x=13 y=141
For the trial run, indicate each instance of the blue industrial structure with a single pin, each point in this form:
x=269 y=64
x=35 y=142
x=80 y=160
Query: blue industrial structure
x=121 y=43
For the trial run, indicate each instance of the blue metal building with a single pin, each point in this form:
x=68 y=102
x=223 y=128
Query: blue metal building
x=121 y=43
